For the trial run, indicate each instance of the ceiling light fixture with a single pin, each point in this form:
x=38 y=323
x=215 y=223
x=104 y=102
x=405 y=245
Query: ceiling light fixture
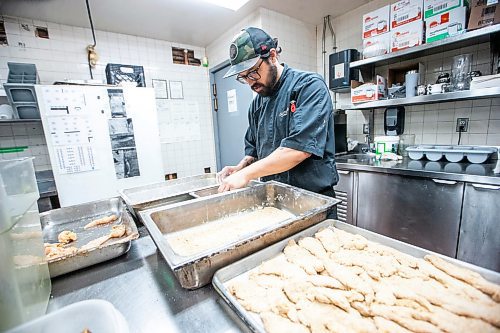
x=230 y=4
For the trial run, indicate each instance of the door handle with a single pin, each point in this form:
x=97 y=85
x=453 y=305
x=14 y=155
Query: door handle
x=486 y=187
x=444 y=182
x=343 y=172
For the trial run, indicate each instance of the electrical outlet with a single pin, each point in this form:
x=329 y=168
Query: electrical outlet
x=366 y=129
x=462 y=124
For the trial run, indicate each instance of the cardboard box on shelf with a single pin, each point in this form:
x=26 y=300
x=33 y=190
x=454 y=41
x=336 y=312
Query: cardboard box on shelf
x=368 y=92
x=435 y=7
x=396 y=74
x=406 y=11
x=445 y=25
x=377 y=45
x=376 y=22
x=408 y=35
x=484 y=13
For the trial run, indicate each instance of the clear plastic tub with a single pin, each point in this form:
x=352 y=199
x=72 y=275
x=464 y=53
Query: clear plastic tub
x=24 y=274
x=479 y=154
x=95 y=315
x=18 y=189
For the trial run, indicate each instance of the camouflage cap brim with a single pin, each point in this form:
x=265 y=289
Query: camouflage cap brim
x=241 y=67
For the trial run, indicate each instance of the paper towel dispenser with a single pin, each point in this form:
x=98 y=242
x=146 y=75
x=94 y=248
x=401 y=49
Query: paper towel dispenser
x=394 y=120
x=340 y=72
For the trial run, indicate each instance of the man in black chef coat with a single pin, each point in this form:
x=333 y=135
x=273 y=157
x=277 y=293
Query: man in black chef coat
x=290 y=135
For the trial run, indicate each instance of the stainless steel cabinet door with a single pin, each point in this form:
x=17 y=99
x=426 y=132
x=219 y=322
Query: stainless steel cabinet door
x=344 y=192
x=479 y=241
x=420 y=211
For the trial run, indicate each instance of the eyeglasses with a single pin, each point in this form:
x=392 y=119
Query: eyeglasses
x=252 y=75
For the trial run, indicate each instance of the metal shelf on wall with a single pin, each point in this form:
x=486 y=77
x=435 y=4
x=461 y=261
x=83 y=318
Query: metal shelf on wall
x=474 y=37
x=18 y=121
x=428 y=99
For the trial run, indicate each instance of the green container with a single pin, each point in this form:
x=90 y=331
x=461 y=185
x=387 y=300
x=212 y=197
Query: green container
x=435 y=7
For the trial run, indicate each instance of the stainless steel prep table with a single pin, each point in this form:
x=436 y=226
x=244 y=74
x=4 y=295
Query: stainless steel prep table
x=142 y=287
x=380 y=196
x=468 y=172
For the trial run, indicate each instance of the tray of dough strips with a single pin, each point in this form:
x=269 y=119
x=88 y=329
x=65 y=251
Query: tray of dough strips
x=335 y=277
x=87 y=234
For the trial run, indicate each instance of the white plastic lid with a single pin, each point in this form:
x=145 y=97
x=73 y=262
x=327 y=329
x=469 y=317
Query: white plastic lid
x=392 y=139
x=98 y=316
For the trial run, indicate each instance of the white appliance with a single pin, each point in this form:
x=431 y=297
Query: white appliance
x=100 y=140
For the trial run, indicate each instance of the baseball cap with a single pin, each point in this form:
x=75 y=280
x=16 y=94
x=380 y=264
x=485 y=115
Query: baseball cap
x=248 y=46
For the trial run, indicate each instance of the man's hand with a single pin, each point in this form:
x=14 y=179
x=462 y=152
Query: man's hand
x=235 y=181
x=226 y=172
x=229 y=170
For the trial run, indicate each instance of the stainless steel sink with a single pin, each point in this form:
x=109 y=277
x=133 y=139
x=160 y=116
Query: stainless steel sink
x=358 y=157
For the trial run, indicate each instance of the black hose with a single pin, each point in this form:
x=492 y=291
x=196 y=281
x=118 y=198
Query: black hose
x=93 y=36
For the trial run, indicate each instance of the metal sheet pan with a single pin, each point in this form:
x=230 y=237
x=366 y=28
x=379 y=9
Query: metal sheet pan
x=168 y=192
x=74 y=218
x=241 y=268
x=197 y=270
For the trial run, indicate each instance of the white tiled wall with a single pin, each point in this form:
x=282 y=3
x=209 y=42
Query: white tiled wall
x=218 y=50
x=63 y=56
x=25 y=134
x=297 y=39
x=434 y=123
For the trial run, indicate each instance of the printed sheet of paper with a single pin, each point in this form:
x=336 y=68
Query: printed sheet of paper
x=232 y=105
x=75 y=158
x=176 y=91
x=179 y=121
x=160 y=87
x=64 y=101
x=70 y=129
x=72 y=137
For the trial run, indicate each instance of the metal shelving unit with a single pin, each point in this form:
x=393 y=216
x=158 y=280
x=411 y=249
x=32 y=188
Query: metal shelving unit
x=428 y=99
x=483 y=35
x=17 y=121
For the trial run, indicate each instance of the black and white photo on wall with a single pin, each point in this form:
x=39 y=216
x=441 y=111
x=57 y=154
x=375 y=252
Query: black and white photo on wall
x=120 y=126
x=117 y=103
x=121 y=133
x=123 y=142
x=126 y=163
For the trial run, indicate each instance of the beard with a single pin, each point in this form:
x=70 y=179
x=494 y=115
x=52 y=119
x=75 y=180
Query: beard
x=267 y=89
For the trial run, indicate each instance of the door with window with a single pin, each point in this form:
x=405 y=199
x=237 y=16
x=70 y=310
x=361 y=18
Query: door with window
x=231 y=117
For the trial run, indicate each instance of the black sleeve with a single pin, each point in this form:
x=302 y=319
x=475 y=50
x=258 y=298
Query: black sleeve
x=308 y=124
x=250 y=142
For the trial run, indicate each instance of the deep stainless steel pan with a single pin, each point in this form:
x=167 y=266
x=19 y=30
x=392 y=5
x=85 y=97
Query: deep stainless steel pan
x=196 y=271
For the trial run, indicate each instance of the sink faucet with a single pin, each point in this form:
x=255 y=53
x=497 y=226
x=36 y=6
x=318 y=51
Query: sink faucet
x=366 y=132
x=368 y=148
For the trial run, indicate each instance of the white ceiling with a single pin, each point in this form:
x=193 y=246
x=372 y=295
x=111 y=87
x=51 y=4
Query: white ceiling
x=191 y=22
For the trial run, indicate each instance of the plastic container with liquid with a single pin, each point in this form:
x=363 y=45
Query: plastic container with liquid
x=24 y=274
x=386 y=144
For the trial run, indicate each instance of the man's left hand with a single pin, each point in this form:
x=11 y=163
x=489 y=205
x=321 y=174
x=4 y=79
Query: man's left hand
x=234 y=181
